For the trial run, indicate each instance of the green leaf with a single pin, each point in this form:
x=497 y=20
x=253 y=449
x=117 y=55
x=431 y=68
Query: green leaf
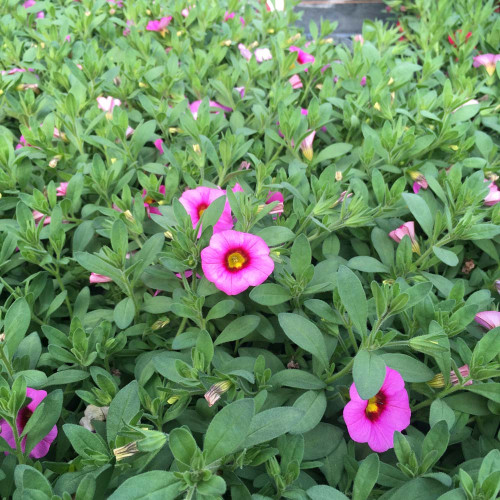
x=272 y=423
x=441 y=411
x=353 y=297
x=124 y=313
x=411 y=369
x=490 y=390
x=323 y=492
x=119 y=238
x=220 y=310
x=369 y=373
x=238 y=329
x=212 y=214
x=420 y=210
x=152 y=485
x=367 y=265
x=313 y=404
x=436 y=440
x=270 y=294
x=366 y=477
x=447 y=256
x=300 y=257
x=123 y=408
x=182 y=445
x=228 y=429
x=15 y=326
x=306 y=335
x=332 y=151
x=276 y=235
x=85 y=442
x=298 y=379
x=487 y=348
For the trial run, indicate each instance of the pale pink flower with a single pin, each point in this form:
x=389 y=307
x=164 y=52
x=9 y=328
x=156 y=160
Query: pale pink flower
x=275 y=5
x=375 y=420
x=62 y=188
x=497 y=285
x=244 y=165
x=42 y=447
x=195 y=106
x=488 y=319
x=126 y=31
x=247 y=54
x=464 y=373
x=38 y=216
x=295 y=82
x=185 y=11
x=99 y=278
x=108 y=103
x=68 y=38
x=129 y=132
x=489 y=61
x=359 y=39
x=234 y=261
x=262 y=55
x=407 y=229
x=196 y=201
x=214 y=393
x=493 y=197
x=241 y=91
x=159 y=25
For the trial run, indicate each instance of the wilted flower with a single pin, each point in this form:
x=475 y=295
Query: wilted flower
x=92 y=412
x=148 y=202
x=214 y=393
x=244 y=165
x=488 y=319
x=276 y=196
x=407 y=229
x=196 y=201
x=375 y=420
x=295 y=82
x=420 y=181
x=489 y=61
x=42 y=447
x=468 y=266
x=438 y=381
x=126 y=451
x=99 y=278
x=233 y=261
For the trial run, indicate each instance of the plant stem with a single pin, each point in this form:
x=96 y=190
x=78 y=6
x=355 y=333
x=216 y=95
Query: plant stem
x=341 y=373
x=19 y=452
x=6 y=362
x=181 y=326
x=352 y=337
x=442 y=394
x=57 y=275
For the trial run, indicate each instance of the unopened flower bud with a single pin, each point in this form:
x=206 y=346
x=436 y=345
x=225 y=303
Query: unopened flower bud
x=438 y=381
x=253 y=45
x=326 y=40
x=391 y=81
x=153 y=441
x=293 y=39
x=112 y=11
x=197 y=149
x=270 y=31
x=179 y=33
x=53 y=163
x=428 y=344
x=168 y=235
x=42 y=44
x=172 y=399
x=226 y=43
x=377 y=106
x=142 y=85
x=338 y=176
x=161 y=323
x=113 y=160
x=174 y=130
x=129 y=216
x=126 y=451
x=214 y=393
x=87 y=13
x=2 y=337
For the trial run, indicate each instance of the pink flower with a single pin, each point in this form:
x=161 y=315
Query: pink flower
x=464 y=373
x=62 y=188
x=241 y=91
x=247 y=54
x=28 y=4
x=262 y=55
x=295 y=82
x=159 y=145
x=306 y=146
x=148 y=202
x=276 y=196
x=214 y=393
x=234 y=261
x=488 y=319
x=244 y=165
x=420 y=181
x=42 y=447
x=375 y=420
x=231 y=15
x=38 y=216
x=363 y=81
x=40 y=15
x=22 y=143
x=493 y=197
x=407 y=229
x=68 y=38
x=196 y=201
x=489 y=61
x=302 y=56
x=497 y=285
x=359 y=38
x=129 y=132
x=194 y=106
x=159 y=25
x=275 y=5
x=126 y=31
x=108 y=103
x=99 y=278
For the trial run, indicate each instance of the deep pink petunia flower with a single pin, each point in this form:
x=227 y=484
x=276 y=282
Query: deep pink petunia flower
x=375 y=420
x=363 y=81
x=302 y=56
x=195 y=106
x=62 y=188
x=159 y=25
x=493 y=197
x=148 y=202
x=234 y=261
x=489 y=61
x=295 y=82
x=231 y=15
x=159 y=145
x=99 y=278
x=42 y=448
x=276 y=196
x=407 y=229
x=196 y=201
x=488 y=319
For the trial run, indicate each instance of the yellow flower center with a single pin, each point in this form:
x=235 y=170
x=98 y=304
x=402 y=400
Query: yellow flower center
x=372 y=406
x=236 y=260
x=201 y=209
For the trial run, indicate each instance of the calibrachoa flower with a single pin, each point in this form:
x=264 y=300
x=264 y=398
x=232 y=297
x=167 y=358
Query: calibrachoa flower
x=38 y=216
x=231 y=15
x=194 y=106
x=493 y=197
x=215 y=392
x=497 y=285
x=159 y=25
x=488 y=319
x=246 y=53
x=306 y=146
x=420 y=181
x=196 y=201
x=107 y=104
x=42 y=447
x=99 y=278
x=452 y=41
x=375 y=420
x=489 y=61
x=262 y=55
x=438 y=381
x=363 y=81
x=62 y=188
x=159 y=145
x=407 y=229
x=241 y=91
x=148 y=202
x=275 y=5
x=359 y=39
x=234 y=261
x=302 y=56
x=295 y=82
x=276 y=196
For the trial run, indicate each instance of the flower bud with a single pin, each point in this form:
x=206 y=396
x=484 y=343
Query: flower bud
x=226 y=43
x=197 y=149
x=129 y=216
x=214 y=393
x=153 y=441
x=161 y=323
x=126 y=451
x=172 y=399
x=53 y=163
x=338 y=176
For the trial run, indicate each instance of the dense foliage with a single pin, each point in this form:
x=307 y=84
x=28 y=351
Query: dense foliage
x=240 y=262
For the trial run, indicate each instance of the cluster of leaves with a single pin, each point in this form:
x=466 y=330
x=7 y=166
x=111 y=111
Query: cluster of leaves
x=344 y=301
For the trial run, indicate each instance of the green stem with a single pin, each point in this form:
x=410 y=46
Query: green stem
x=341 y=373
x=181 y=326
x=442 y=394
x=19 y=452
x=352 y=337
x=6 y=362
x=57 y=275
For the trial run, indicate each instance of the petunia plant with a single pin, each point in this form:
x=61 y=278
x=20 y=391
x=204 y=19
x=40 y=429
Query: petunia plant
x=243 y=260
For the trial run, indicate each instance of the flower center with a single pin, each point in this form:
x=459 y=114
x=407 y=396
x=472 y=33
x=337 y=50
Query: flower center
x=375 y=406
x=148 y=200
x=201 y=208
x=235 y=260
x=24 y=415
